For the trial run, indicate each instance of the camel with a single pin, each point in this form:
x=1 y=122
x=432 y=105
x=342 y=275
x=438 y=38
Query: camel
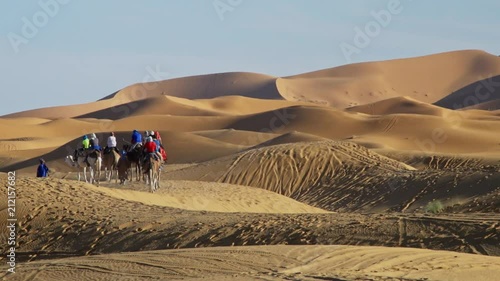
x=110 y=164
x=94 y=164
x=152 y=170
x=134 y=157
x=123 y=167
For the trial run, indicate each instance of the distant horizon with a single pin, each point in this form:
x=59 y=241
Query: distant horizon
x=60 y=52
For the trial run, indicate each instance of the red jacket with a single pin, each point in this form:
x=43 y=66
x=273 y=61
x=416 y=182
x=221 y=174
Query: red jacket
x=150 y=147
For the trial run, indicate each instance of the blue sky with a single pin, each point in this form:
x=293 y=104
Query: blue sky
x=82 y=51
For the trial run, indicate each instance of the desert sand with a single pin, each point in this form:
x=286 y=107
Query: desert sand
x=373 y=171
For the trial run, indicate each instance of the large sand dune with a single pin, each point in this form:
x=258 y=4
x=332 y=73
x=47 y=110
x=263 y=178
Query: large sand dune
x=428 y=79
x=447 y=79
x=342 y=176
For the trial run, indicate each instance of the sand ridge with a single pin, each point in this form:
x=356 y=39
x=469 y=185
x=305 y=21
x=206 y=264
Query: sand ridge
x=60 y=218
x=258 y=262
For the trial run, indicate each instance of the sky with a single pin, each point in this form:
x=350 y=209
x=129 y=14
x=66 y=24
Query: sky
x=61 y=52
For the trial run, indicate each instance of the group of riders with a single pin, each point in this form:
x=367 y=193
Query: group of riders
x=149 y=144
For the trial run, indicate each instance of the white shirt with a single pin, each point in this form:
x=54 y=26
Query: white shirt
x=111 y=141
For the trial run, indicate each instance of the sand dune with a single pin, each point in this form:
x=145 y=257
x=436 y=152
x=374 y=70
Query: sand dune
x=486 y=89
x=427 y=79
x=292 y=137
x=204 y=86
x=270 y=263
x=155 y=105
x=205 y=196
x=449 y=132
x=489 y=105
x=67 y=111
x=236 y=105
x=398 y=105
x=445 y=79
x=305 y=171
x=237 y=137
x=60 y=218
x=342 y=176
x=174 y=106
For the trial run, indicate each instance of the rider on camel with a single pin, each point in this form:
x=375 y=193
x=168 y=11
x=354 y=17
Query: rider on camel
x=93 y=146
x=136 y=140
x=151 y=149
x=94 y=142
x=111 y=144
x=85 y=142
x=157 y=136
x=85 y=147
x=158 y=145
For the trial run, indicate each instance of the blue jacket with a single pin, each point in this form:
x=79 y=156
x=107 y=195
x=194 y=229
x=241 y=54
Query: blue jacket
x=157 y=145
x=136 y=138
x=42 y=171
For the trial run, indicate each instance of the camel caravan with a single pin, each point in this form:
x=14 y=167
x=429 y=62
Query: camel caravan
x=143 y=154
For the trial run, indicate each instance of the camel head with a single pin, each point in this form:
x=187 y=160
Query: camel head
x=70 y=161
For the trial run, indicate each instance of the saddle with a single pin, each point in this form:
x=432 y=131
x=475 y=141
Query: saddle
x=92 y=153
x=135 y=147
x=150 y=156
x=79 y=153
x=108 y=150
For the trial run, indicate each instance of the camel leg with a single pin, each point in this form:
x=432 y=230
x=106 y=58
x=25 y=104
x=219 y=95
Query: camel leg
x=158 y=183
x=91 y=175
x=85 y=174
x=151 y=180
x=97 y=176
x=138 y=170
x=98 y=167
